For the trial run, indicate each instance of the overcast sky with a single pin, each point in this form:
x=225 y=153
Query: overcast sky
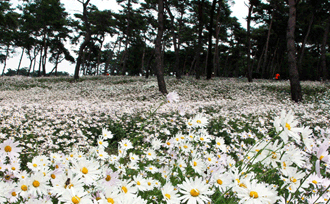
x=73 y=6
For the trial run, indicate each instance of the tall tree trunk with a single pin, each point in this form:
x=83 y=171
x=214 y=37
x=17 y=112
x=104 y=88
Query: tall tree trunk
x=260 y=60
x=143 y=55
x=184 y=64
x=158 y=47
x=174 y=37
x=40 y=62
x=99 y=56
x=323 y=51
x=296 y=94
x=225 y=73
x=248 y=35
x=216 y=48
x=86 y=40
x=199 y=45
x=5 y=63
x=56 y=63
x=149 y=64
x=109 y=57
x=163 y=54
x=31 y=60
x=266 y=49
x=34 y=60
x=304 y=43
x=44 y=58
x=20 y=60
x=209 y=56
x=127 y=36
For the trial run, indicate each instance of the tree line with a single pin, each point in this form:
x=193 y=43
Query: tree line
x=172 y=37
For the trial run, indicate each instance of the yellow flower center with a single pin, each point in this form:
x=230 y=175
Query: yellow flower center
x=195 y=163
x=168 y=196
x=138 y=183
x=149 y=183
x=284 y=164
x=53 y=176
x=292 y=179
x=321 y=157
x=198 y=121
x=168 y=143
x=190 y=124
x=218 y=143
x=75 y=199
x=194 y=192
x=108 y=178
x=209 y=159
x=185 y=146
x=56 y=166
x=288 y=126
x=8 y=149
x=124 y=189
x=100 y=142
x=84 y=170
x=24 y=188
x=13 y=168
x=314 y=181
x=36 y=183
x=253 y=194
x=202 y=138
x=242 y=185
x=125 y=145
x=110 y=200
x=13 y=193
x=35 y=165
x=149 y=154
x=219 y=181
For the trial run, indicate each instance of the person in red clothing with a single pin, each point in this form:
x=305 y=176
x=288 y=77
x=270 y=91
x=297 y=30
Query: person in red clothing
x=277 y=76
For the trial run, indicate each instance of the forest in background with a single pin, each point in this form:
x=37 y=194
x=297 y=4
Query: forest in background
x=172 y=37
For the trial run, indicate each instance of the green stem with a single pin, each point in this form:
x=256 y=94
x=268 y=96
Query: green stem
x=151 y=114
x=322 y=194
x=302 y=181
x=224 y=194
x=255 y=156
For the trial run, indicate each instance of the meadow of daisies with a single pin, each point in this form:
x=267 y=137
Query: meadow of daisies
x=118 y=140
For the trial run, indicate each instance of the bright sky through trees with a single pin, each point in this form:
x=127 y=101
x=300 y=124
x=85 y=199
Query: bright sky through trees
x=239 y=10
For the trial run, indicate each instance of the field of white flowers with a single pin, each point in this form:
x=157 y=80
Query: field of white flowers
x=118 y=140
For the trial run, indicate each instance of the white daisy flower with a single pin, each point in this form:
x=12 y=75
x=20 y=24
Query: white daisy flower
x=88 y=170
x=75 y=196
x=125 y=144
x=10 y=148
x=170 y=195
x=172 y=97
x=106 y=134
x=195 y=191
x=256 y=193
